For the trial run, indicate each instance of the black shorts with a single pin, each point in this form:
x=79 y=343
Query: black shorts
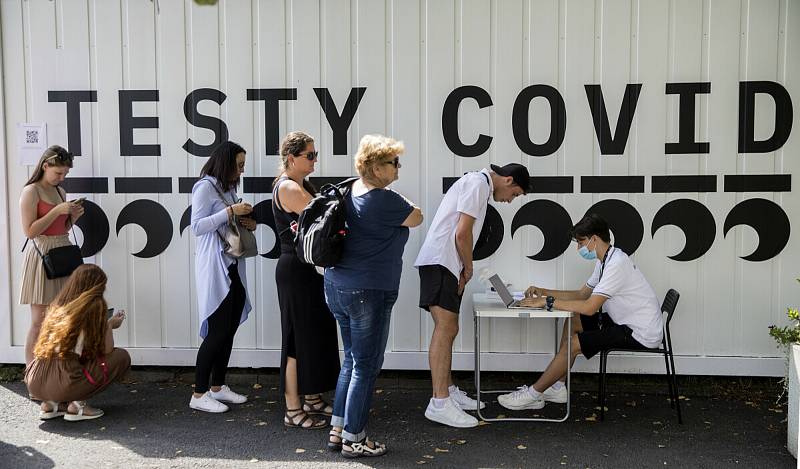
x=603 y=334
x=438 y=287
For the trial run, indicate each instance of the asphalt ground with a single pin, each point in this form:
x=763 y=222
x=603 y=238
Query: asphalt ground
x=728 y=422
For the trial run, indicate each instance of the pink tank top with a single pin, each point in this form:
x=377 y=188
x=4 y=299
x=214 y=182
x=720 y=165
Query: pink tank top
x=59 y=225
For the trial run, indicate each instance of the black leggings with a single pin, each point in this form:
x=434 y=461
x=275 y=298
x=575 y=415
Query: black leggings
x=215 y=351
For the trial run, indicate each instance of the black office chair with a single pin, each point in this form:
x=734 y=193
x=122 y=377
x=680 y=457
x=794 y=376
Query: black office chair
x=670 y=302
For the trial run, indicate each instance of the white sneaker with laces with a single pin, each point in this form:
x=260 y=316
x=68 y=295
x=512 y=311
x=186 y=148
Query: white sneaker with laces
x=463 y=400
x=206 y=403
x=450 y=415
x=558 y=396
x=521 y=399
x=226 y=395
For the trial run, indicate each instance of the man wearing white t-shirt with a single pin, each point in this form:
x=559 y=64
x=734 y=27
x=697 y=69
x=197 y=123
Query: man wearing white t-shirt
x=630 y=316
x=445 y=267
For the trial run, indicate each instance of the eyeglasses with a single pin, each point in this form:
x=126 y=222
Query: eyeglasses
x=62 y=156
x=310 y=156
x=395 y=162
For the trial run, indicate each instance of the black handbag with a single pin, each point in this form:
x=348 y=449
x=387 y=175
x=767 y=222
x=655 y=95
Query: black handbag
x=60 y=261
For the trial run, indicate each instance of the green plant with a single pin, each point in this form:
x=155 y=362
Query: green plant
x=788 y=335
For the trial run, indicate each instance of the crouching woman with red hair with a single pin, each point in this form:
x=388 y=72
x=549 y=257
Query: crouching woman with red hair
x=74 y=357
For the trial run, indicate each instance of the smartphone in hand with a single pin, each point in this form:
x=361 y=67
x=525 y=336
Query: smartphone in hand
x=78 y=201
x=109 y=313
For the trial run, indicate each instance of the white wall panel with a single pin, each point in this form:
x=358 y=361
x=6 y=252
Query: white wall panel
x=410 y=55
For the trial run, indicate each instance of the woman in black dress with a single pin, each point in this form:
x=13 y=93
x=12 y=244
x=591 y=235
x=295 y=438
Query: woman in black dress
x=309 y=345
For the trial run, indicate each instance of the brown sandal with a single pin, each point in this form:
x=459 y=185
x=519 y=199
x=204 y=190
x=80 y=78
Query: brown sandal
x=318 y=406
x=289 y=420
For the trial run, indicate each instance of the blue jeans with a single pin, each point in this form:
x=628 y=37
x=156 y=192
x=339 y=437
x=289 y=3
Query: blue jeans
x=363 y=316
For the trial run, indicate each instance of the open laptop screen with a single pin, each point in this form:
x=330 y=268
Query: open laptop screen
x=501 y=289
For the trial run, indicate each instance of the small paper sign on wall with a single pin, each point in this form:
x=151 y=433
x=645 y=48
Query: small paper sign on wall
x=31 y=142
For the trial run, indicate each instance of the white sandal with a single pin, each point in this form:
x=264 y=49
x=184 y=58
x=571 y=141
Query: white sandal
x=51 y=414
x=81 y=405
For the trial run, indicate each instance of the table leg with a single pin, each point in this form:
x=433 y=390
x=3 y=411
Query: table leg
x=478 y=378
x=478 y=364
x=555 y=339
x=569 y=368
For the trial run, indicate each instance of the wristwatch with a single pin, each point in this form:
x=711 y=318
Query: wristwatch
x=549 y=301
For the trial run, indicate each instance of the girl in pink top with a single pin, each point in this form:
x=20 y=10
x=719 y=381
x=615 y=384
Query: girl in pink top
x=46 y=219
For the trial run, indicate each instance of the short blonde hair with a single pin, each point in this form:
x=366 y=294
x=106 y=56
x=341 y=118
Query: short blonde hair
x=374 y=150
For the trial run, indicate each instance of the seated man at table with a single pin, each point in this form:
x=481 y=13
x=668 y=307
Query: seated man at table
x=615 y=308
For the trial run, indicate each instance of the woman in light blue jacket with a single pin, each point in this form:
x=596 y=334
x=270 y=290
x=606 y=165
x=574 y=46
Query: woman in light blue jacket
x=220 y=280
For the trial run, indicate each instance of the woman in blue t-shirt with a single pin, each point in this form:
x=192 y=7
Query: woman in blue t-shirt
x=362 y=287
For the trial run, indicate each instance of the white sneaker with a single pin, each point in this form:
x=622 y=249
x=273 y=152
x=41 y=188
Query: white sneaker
x=450 y=415
x=559 y=396
x=521 y=399
x=463 y=400
x=226 y=395
x=206 y=403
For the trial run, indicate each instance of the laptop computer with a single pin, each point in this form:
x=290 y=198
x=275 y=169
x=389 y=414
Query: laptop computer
x=505 y=296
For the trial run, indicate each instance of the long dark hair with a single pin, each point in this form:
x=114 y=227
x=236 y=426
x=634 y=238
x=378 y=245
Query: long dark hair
x=221 y=165
x=55 y=155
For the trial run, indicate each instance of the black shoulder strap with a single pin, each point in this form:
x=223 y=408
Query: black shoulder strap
x=275 y=194
x=72 y=226
x=487 y=183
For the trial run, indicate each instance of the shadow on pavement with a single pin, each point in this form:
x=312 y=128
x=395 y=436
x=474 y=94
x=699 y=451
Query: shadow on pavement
x=23 y=456
x=150 y=424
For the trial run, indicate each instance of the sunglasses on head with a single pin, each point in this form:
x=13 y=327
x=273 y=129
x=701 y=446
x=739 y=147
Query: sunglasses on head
x=395 y=162
x=62 y=156
x=310 y=156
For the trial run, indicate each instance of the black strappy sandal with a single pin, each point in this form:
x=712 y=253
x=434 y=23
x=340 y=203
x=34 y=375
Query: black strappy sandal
x=289 y=420
x=361 y=448
x=318 y=406
x=334 y=445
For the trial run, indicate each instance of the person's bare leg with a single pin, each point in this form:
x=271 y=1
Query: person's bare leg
x=74 y=408
x=37 y=317
x=290 y=394
x=440 y=354
x=556 y=369
x=576 y=327
x=46 y=406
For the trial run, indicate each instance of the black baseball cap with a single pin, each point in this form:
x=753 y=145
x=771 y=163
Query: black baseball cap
x=518 y=172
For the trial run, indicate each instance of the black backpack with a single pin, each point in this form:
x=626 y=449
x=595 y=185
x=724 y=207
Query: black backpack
x=321 y=227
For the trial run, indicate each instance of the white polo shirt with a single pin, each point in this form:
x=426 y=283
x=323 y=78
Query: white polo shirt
x=469 y=195
x=631 y=300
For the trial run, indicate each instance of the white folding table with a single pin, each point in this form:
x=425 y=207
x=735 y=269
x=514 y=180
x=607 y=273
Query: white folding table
x=490 y=307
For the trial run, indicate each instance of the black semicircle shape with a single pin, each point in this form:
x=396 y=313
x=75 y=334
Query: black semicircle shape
x=623 y=220
x=155 y=221
x=695 y=220
x=186 y=220
x=94 y=226
x=491 y=235
x=554 y=222
x=770 y=222
x=262 y=213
